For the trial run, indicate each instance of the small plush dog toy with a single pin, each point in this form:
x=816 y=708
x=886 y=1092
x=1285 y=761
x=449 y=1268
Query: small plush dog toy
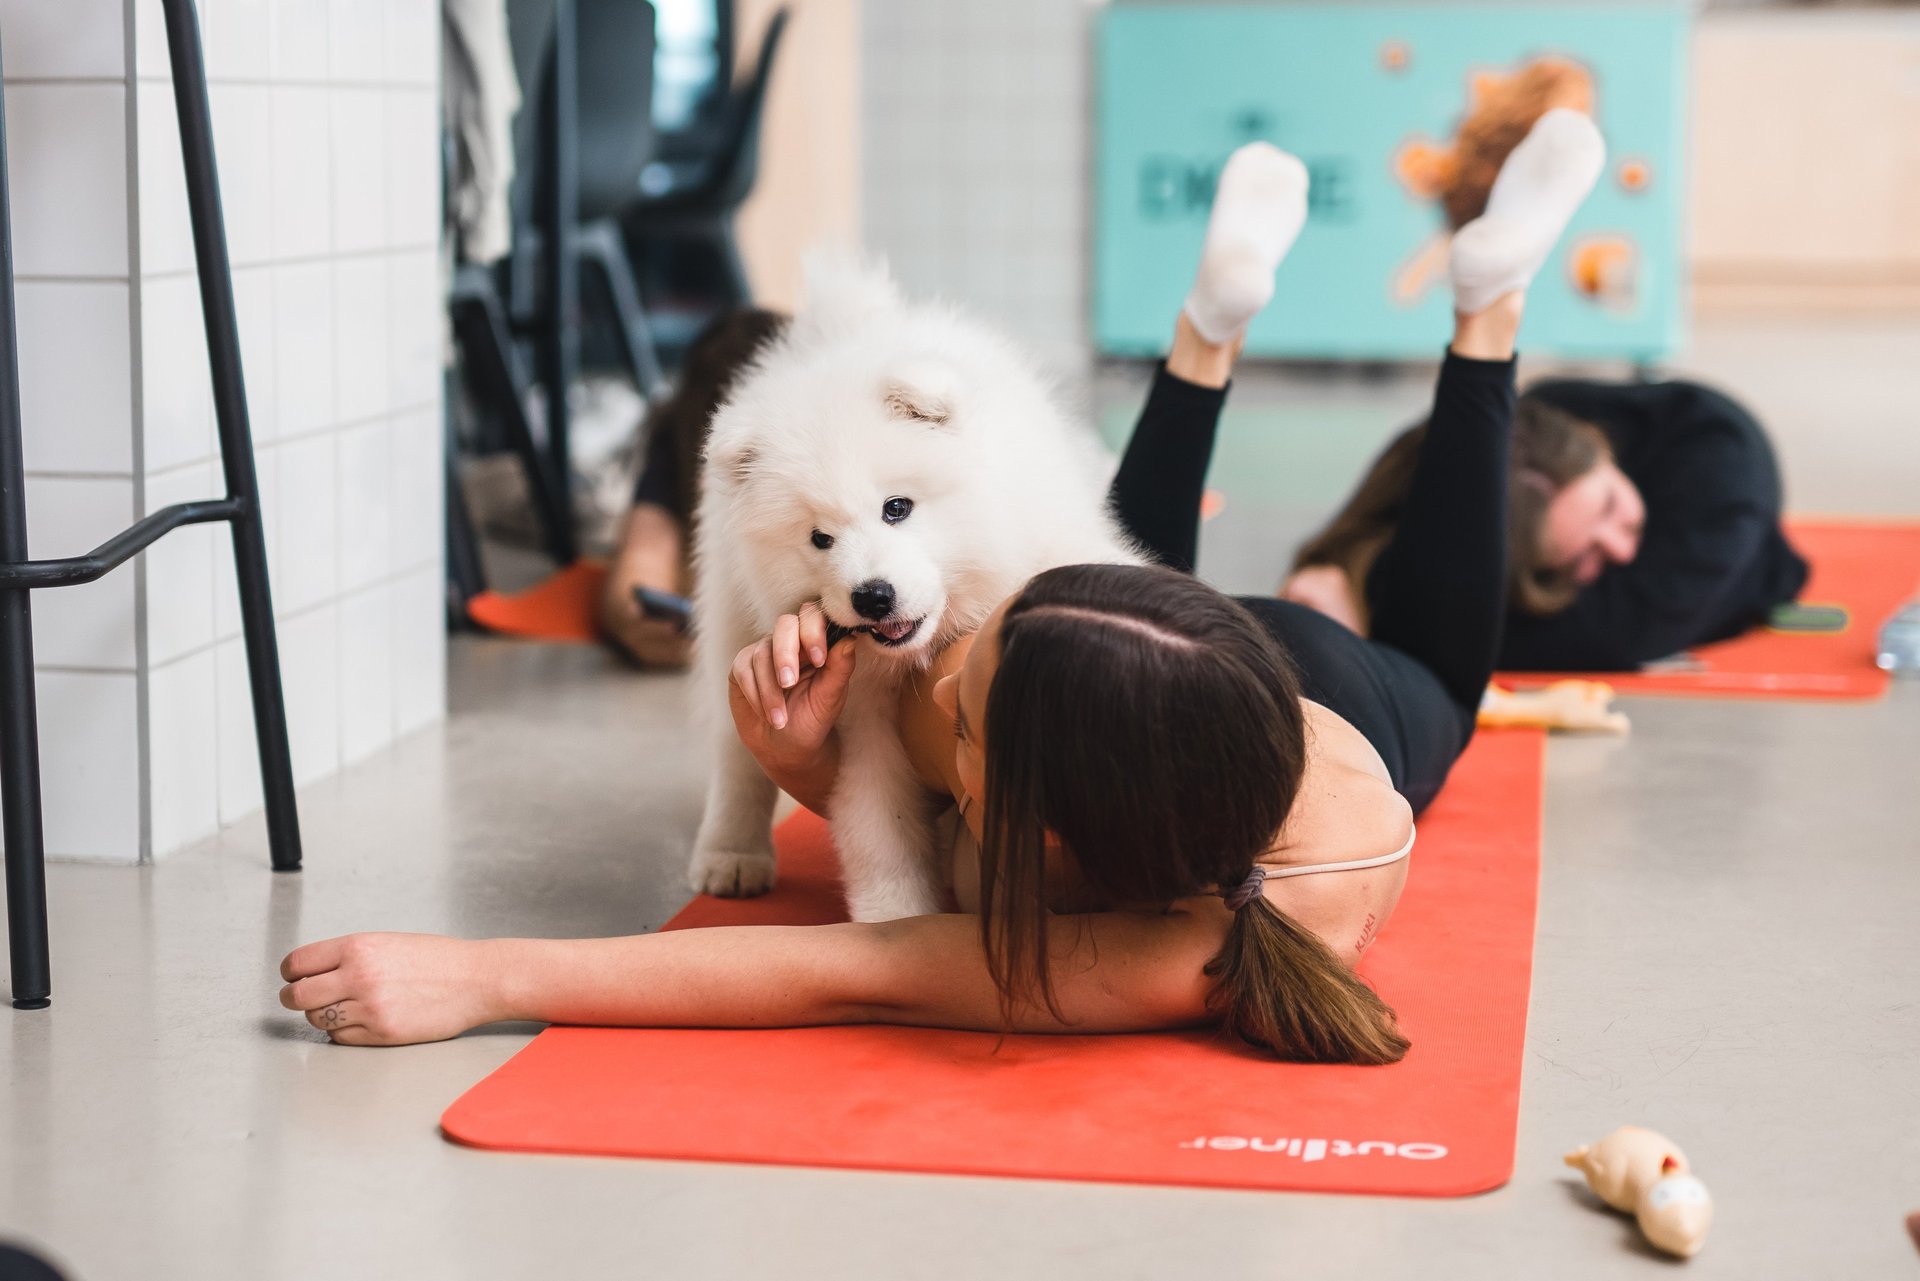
x=1563 y=705
x=1457 y=174
x=1645 y=1175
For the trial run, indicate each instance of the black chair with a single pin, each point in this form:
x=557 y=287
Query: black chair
x=580 y=150
x=704 y=195
x=491 y=370
x=19 y=729
x=616 y=144
x=581 y=145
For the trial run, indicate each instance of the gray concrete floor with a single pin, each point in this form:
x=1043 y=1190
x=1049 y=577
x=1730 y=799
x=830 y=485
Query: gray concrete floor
x=1727 y=951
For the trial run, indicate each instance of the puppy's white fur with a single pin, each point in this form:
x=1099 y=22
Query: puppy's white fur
x=865 y=399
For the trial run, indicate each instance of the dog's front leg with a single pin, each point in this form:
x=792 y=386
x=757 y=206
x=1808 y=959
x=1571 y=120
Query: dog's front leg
x=882 y=827
x=733 y=853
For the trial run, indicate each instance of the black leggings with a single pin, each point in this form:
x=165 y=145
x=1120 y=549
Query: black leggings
x=1437 y=593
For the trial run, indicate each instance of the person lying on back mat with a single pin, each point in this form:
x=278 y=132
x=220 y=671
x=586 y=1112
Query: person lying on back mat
x=1644 y=519
x=1175 y=808
x=657 y=533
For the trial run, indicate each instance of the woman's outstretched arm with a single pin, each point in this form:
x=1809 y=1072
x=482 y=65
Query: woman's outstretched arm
x=1112 y=972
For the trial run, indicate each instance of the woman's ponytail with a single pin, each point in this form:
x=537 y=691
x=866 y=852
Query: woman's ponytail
x=1278 y=986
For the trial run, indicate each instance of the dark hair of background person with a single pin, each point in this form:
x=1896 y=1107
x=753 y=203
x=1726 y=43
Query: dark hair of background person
x=1154 y=727
x=713 y=364
x=1551 y=450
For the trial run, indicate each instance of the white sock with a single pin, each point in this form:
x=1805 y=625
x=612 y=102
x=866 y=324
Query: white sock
x=1258 y=209
x=1534 y=196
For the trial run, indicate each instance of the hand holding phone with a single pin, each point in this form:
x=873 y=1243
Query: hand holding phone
x=665 y=607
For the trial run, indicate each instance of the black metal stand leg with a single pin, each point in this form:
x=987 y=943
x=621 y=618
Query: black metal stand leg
x=600 y=245
x=19 y=746
x=732 y=266
x=466 y=575
x=236 y=439
x=19 y=716
x=559 y=347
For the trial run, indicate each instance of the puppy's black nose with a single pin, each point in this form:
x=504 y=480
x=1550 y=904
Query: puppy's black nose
x=873 y=599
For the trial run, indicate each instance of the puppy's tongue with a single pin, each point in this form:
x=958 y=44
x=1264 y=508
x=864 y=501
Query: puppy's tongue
x=895 y=629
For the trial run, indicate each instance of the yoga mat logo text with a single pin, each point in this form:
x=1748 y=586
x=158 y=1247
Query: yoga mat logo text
x=1317 y=1149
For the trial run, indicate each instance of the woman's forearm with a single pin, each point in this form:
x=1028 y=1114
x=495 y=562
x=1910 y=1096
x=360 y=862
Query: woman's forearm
x=653 y=550
x=743 y=976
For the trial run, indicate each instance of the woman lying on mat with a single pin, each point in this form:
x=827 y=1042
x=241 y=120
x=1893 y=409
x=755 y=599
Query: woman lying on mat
x=658 y=530
x=1644 y=519
x=1150 y=773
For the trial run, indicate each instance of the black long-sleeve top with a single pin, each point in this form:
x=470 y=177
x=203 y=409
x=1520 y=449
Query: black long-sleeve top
x=1712 y=560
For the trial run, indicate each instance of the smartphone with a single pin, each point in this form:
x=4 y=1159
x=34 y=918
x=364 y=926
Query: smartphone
x=1796 y=617
x=664 y=606
x=1681 y=662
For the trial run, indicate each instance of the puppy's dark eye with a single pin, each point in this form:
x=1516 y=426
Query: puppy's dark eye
x=822 y=541
x=896 y=510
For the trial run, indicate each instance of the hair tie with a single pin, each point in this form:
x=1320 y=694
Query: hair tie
x=1247 y=891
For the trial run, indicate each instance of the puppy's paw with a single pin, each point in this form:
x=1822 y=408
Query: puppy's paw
x=891 y=903
x=731 y=873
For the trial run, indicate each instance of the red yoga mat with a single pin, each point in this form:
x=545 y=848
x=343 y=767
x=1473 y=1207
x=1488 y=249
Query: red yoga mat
x=1168 y=1108
x=559 y=607
x=1870 y=568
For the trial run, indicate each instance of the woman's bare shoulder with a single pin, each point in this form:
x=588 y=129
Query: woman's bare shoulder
x=1347 y=806
x=926 y=731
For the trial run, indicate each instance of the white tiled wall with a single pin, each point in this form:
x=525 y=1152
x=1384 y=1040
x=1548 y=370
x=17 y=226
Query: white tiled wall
x=975 y=159
x=326 y=136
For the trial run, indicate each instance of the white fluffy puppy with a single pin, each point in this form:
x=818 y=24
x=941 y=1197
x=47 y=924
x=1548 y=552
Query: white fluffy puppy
x=908 y=469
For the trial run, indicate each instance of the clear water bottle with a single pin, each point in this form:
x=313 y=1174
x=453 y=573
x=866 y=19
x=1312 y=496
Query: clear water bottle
x=1900 y=642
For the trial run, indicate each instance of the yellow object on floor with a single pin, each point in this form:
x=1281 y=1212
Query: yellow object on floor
x=1575 y=705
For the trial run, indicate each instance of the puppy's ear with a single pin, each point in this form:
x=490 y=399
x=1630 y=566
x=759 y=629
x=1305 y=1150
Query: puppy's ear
x=730 y=462
x=921 y=390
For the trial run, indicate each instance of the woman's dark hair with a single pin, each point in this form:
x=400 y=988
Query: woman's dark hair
x=1153 y=727
x=714 y=361
x=1551 y=450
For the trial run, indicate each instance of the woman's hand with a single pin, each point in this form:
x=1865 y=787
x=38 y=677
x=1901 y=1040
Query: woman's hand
x=653 y=642
x=651 y=552
x=392 y=989
x=786 y=693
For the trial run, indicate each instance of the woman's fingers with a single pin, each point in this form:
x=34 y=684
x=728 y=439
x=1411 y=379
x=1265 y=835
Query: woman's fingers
x=312 y=958
x=314 y=992
x=745 y=680
x=827 y=691
x=773 y=702
x=786 y=650
x=813 y=632
x=336 y=1017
